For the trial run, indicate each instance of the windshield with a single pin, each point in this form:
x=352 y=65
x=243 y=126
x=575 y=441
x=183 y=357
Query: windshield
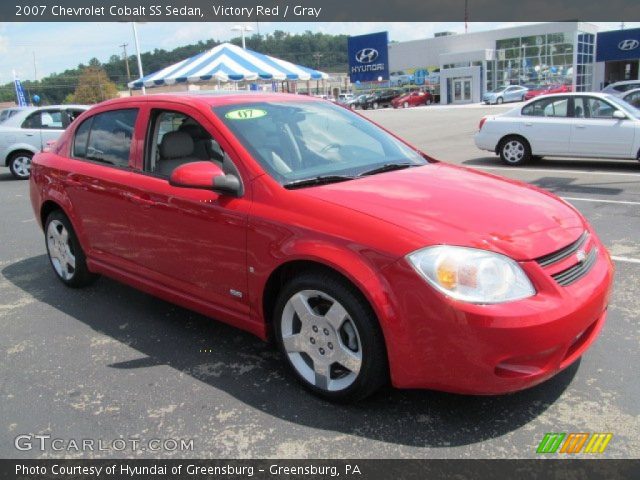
x=624 y=106
x=295 y=141
x=497 y=90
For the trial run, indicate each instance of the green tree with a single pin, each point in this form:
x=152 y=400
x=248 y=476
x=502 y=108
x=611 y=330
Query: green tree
x=94 y=86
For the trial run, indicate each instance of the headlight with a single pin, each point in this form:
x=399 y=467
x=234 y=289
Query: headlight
x=472 y=275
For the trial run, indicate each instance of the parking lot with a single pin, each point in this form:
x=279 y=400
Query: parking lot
x=110 y=362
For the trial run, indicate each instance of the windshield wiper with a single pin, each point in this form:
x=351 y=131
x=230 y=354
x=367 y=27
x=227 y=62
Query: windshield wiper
x=387 y=167
x=321 y=180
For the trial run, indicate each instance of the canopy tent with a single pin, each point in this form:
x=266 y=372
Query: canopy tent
x=228 y=63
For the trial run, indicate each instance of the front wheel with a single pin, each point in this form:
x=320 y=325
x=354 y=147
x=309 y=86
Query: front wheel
x=376 y=105
x=405 y=105
x=500 y=101
x=65 y=254
x=515 y=151
x=20 y=165
x=330 y=337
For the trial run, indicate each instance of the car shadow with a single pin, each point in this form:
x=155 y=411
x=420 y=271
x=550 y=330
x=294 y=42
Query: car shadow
x=251 y=371
x=550 y=163
x=7 y=177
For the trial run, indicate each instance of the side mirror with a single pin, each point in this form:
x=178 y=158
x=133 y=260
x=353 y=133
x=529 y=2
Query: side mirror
x=619 y=115
x=206 y=176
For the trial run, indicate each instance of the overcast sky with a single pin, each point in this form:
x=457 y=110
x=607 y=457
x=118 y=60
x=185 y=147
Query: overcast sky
x=59 y=46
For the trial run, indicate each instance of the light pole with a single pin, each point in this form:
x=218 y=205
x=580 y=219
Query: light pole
x=135 y=36
x=242 y=29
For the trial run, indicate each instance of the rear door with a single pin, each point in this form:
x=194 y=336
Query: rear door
x=547 y=126
x=596 y=133
x=41 y=127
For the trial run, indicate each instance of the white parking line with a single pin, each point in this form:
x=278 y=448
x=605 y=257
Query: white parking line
x=625 y=259
x=553 y=170
x=599 y=200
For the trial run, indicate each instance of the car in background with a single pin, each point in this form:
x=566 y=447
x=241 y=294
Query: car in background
x=620 y=88
x=546 y=90
x=11 y=111
x=632 y=97
x=29 y=130
x=357 y=102
x=563 y=125
x=344 y=98
x=381 y=99
x=399 y=79
x=412 y=99
x=508 y=93
x=365 y=260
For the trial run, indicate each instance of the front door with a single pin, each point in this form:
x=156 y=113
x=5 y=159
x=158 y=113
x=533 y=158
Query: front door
x=461 y=90
x=191 y=240
x=596 y=133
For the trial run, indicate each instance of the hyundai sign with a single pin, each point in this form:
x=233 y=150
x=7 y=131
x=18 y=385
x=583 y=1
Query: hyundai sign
x=618 y=45
x=369 y=57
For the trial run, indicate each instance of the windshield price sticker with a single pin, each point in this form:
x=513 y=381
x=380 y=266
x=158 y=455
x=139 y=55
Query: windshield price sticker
x=245 y=114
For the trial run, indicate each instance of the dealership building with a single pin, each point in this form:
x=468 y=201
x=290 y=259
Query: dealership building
x=465 y=66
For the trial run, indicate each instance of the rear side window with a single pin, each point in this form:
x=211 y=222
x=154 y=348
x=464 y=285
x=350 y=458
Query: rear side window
x=106 y=137
x=44 y=119
x=548 y=107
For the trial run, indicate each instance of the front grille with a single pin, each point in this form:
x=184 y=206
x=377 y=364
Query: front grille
x=563 y=253
x=579 y=270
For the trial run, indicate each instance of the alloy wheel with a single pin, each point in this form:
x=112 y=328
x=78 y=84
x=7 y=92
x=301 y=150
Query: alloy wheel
x=61 y=250
x=321 y=341
x=22 y=166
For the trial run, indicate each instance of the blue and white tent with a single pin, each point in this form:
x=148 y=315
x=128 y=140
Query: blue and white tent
x=228 y=63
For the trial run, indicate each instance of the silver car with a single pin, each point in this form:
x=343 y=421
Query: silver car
x=632 y=97
x=29 y=130
x=620 y=88
x=508 y=93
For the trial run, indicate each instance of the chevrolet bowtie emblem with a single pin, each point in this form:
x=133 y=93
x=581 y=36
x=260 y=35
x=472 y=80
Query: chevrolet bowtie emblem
x=581 y=256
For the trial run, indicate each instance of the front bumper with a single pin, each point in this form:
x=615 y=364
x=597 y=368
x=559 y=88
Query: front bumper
x=438 y=343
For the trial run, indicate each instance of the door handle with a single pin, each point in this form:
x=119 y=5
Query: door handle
x=29 y=134
x=137 y=199
x=528 y=124
x=581 y=126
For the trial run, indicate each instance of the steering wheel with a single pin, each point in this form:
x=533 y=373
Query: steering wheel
x=330 y=146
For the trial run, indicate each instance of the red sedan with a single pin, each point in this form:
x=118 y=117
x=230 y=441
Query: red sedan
x=294 y=218
x=546 y=90
x=412 y=99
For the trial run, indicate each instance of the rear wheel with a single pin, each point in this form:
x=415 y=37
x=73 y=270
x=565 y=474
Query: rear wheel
x=330 y=337
x=20 y=165
x=515 y=151
x=65 y=254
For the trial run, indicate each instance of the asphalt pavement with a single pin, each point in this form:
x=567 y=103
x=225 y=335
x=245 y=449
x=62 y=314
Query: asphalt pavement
x=109 y=362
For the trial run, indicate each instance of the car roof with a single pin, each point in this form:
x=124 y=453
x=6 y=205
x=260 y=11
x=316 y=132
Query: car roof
x=624 y=82
x=213 y=98
x=633 y=90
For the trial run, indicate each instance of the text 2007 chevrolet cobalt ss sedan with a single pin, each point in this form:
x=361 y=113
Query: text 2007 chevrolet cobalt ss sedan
x=367 y=260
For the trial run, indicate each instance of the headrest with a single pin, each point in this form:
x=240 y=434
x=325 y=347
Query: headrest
x=176 y=145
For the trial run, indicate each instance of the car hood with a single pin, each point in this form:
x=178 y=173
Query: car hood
x=444 y=204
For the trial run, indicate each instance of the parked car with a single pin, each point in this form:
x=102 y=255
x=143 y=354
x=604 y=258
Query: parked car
x=381 y=99
x=632 y=97
x=11 y=111
x=294 y=218
x=620 y=88
x=345 y=98
x=567 y=125
x=28 y=131
x=412 y=99
x=357 y=102
x=546 y=90
x=400 y=78
x=508 y=93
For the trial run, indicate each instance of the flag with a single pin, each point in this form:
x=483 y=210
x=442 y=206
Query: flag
x=21 y=99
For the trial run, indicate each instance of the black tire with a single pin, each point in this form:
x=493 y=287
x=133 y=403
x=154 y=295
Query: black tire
x=373 y=372
x=514 y=150
x=17 y=165
x=500 y=101
x=81 y=276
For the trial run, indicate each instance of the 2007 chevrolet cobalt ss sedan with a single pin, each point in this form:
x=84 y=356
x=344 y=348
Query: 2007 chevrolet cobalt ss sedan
x=291 y=217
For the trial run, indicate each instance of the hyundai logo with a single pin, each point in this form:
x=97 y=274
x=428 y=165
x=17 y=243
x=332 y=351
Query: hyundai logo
x=367 y=55
x=629 y=44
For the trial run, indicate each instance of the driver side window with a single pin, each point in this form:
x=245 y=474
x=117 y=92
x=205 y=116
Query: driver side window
x=175 y=139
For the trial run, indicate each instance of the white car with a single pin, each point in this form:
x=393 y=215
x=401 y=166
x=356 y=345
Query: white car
x=28 y=131
x=563 y=125
x=620 y=88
